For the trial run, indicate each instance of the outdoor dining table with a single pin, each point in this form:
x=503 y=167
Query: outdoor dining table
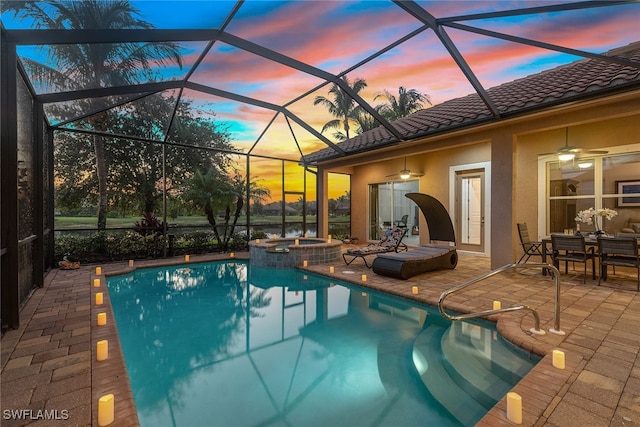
x=589 y=241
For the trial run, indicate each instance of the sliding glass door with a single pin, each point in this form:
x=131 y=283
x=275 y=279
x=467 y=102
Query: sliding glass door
x=388 y=208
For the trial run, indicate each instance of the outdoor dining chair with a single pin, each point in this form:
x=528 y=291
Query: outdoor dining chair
x=572 y=248
x=530 y=248
x=620 y=251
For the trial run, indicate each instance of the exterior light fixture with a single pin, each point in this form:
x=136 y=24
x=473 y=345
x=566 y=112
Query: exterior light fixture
x=405 y=173
x=564 y=157
x=585 y=164
x=567 y=152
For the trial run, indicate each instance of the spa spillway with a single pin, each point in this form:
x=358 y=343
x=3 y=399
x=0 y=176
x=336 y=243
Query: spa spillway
x=292 y=252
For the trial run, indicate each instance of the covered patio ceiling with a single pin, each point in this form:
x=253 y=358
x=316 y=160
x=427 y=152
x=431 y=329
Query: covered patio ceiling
x=256 y=67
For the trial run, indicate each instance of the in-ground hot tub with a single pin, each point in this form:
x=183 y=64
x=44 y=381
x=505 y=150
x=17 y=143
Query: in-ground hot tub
x=292 y=252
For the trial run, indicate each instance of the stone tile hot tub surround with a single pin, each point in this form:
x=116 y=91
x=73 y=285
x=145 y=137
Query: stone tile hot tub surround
x=285 y=253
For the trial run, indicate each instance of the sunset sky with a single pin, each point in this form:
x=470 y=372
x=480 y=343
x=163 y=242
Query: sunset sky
x=333 y=36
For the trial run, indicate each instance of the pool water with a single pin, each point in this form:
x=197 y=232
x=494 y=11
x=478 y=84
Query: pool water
x=231 y=345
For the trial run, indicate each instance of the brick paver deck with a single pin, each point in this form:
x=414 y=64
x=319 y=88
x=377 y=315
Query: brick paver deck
x=49 y=367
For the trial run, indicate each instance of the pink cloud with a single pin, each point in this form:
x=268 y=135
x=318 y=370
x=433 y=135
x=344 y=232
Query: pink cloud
x=421 y=63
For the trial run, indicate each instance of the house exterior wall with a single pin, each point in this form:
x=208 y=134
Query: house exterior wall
x=512 y=146
x=435 y=181
x=612 y=132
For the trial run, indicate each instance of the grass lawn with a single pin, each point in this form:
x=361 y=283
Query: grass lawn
x=80 y=222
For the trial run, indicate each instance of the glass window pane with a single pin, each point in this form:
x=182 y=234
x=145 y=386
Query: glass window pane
x=624 y=167
x=570 y=179
x=621 y=183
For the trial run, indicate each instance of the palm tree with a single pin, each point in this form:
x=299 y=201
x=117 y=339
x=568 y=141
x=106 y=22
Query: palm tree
x=407 y=102
x=215 y=192
x=364 y=120
x=94 y=65
x=341 y=106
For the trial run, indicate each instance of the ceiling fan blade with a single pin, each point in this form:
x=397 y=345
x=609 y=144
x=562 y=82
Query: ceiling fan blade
x=412 y=174
x=594 y=152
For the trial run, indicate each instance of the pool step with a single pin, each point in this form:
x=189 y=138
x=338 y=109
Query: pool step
x=506 y=362
x=429 y=361
x=472 y=364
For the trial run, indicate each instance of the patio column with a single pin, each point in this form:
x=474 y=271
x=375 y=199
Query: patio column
x=502 y=200
x=322 y=202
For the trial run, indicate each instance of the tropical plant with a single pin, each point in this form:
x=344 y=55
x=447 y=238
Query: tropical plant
x=408 y=101
x=80 y=66
x=220 y=195
x=149 y=225
x=341 y=106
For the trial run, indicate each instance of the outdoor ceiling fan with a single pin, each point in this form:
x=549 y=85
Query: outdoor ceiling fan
x=569 y=152
x=405 y=173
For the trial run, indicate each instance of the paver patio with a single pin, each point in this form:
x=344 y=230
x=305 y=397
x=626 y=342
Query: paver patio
x=49 y=367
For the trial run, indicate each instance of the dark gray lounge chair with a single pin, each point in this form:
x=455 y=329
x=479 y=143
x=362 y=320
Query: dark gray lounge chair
x=428 y=257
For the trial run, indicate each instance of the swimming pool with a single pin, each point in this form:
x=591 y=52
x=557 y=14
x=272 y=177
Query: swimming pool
x=230 y=344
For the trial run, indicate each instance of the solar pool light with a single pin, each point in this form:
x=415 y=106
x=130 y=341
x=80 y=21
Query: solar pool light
x=130 y=263
x=106 y=409
x=187 y=258
x=102 y=319
x=99 y=298
x=98 y=271
x=415 y=290
x=497 y=305
x=96 y=283
x=332 y=269
x=364 y=277
x=558 y=359
x=102 y=350
x=514 y=407
x=305 y=263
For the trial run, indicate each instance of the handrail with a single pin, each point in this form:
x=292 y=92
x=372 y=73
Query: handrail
x=536 y=330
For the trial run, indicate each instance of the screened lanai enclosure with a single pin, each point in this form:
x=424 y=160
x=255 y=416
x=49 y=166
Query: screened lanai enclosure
x=137 y=129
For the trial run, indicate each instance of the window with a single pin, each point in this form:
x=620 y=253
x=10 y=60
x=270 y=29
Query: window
x=610 y=181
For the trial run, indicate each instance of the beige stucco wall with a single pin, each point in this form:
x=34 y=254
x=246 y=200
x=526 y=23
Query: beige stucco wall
x=435 y=182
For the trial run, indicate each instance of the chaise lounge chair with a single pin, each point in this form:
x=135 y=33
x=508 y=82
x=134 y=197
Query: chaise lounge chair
x=390 y=243
x=428 y=257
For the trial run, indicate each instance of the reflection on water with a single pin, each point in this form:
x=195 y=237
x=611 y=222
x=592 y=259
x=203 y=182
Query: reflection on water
x=227 y=344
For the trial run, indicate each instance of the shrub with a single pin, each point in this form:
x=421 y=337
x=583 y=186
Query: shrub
x=118 y=245
x=258 y=234
x=149 y=225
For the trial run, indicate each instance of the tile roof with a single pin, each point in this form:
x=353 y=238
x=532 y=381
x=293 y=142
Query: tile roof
x=585 y=78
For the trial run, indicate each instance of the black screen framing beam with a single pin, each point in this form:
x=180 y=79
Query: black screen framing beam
x=9 y=267
x=425 y=17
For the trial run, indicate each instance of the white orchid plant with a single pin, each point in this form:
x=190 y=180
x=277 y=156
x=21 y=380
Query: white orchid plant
x=589 y=216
